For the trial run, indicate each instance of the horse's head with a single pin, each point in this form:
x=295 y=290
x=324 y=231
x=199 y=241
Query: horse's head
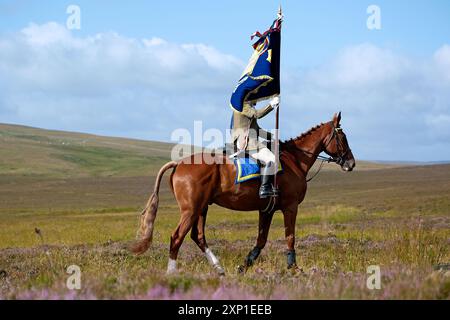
x=336 y=145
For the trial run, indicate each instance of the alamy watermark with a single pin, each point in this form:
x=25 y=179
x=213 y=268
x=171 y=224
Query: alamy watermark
x=73 y=21
x=74 y=280
x=212 y=146
x=374 y=280
x=374 y=19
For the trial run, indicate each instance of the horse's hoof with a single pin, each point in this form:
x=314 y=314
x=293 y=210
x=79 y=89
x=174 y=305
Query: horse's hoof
x=220 y=271
x=241 y=269
x=294 y=269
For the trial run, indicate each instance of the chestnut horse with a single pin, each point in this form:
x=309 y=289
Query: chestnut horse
x=196 y=186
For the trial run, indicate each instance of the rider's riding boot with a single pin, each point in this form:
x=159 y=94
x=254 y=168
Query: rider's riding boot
x=267 y=190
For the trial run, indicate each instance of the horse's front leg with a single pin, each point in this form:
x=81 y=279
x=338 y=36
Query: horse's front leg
x=265 y=220
x=290 y=216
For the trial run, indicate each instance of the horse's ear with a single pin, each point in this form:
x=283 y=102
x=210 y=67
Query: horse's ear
x=337 y=119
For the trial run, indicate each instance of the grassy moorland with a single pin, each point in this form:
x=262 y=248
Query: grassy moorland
x=29 y=151
x=84 y=193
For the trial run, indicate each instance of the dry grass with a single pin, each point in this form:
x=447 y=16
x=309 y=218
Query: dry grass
x=397 y=218
x=334 y=262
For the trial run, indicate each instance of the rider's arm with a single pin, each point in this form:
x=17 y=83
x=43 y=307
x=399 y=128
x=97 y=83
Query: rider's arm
x=250 y=111
x=274 y=103
x=261 y=113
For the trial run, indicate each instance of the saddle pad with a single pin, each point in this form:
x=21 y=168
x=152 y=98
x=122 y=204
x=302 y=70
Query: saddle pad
x=247 y=169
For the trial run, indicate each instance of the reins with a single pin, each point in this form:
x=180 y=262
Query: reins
x=317 y=172
x=323 y=159
x=338 y=160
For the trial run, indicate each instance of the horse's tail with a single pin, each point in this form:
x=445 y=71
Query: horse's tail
x=148 y=215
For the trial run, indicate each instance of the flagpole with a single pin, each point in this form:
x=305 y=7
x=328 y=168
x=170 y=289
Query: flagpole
x=277 y=146
x=277 y=128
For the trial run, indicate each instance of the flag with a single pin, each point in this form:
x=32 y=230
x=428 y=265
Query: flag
x=261 y=78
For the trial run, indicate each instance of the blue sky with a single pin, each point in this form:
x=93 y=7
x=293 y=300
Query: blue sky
x=392 y=84
x=315 y=30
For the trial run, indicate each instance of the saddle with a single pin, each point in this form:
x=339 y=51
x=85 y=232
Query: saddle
x=247 y=168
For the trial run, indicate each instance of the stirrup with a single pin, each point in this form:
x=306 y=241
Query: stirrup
x=275 y=191
x=268 y=193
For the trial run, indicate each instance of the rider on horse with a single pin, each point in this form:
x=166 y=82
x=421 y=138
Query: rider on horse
x=259 y=81
x=245 y=133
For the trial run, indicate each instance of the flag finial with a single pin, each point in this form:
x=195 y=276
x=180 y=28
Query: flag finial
x=280 y=12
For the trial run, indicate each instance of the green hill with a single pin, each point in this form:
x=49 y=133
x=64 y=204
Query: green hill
x=30 y=151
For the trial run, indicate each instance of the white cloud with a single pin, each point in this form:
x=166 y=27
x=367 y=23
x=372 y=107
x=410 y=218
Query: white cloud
x=109 y=83
x=442 y=60
x=47 y=34
x=394 y=106
x=49 y=55
x=361 y=66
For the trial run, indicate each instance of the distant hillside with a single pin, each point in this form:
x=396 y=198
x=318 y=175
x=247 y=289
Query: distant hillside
x=32 y=151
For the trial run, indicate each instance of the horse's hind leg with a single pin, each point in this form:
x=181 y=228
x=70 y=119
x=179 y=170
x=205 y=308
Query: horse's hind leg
x=198 y=231
x=198 y=236
x=187 y=220
x=265 y=220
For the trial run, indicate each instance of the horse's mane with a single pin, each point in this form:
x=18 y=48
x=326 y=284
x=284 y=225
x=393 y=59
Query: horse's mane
x=289 y=144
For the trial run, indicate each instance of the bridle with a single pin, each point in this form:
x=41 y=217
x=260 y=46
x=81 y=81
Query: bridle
x=342 y=151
